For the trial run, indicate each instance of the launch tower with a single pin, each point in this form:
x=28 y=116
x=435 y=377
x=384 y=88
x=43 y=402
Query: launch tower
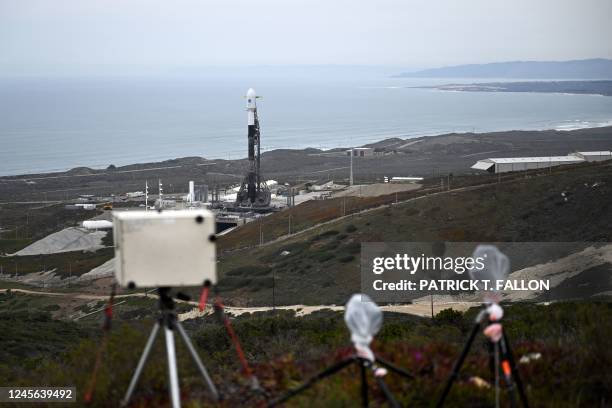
x=254 y=192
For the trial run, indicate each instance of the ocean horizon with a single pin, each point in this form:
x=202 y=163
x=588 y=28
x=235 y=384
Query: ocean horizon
x=54 y=124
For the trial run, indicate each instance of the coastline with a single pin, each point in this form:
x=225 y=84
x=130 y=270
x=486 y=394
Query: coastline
x=425 y=156
x=578 y=87
x=167 y=163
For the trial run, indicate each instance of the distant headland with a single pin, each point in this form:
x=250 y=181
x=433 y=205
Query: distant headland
x=568 y=87
x=596 y=68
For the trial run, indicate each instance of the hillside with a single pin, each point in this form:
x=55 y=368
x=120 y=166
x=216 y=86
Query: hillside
x=284 y=350
x=579 y=69
x=43 y=341
x=321 y=265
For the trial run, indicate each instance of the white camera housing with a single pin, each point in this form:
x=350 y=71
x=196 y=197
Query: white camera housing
x=168 y=248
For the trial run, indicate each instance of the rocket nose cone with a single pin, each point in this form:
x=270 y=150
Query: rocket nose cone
x=251 y=93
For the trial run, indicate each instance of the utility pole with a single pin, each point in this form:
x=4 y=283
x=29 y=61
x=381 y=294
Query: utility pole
x=431 y=299
x=274 y=291
x=289 y=224
x=260 y=233
x=351 y=175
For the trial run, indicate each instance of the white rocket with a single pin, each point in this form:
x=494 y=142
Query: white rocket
x=253 y=191
x=251 y=105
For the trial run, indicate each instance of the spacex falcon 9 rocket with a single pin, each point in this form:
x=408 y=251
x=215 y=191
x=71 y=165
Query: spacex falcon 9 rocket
x=254 y=192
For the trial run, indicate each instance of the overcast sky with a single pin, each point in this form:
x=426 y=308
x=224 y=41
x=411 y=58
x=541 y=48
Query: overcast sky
x=131 y=36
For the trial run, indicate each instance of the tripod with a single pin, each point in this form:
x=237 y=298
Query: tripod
x=491 y=315
x=170 y=323
x=364 y=364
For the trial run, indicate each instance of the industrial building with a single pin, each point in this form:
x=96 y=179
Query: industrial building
x=508 y=164
x=361 y=152
x=595 y=156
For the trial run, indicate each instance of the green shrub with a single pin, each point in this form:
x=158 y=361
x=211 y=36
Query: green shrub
x=448 y=316
x=323 y=256
x=330 y=246
x=350 y=228
x=353 y=248
x=231 y=282
x=255 y=270
x=346 y=259
x=264 y=282
x=411 y=211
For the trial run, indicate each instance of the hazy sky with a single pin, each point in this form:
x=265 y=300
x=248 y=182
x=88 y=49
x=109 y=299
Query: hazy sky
x=131 y=36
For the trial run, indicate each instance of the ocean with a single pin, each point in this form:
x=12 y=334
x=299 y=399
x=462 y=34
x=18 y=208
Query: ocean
x=57 y=124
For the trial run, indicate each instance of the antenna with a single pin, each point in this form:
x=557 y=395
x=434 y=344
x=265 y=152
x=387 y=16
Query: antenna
x=146 y=195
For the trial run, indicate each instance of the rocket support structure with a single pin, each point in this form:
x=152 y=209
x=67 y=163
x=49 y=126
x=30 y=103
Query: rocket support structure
x=254 y=192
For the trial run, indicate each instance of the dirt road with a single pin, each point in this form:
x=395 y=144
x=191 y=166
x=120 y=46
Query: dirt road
x=419 y=309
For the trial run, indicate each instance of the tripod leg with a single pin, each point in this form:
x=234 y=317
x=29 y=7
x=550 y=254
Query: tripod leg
x=140 y=366
x=491 y=353
x=394 y=368
x=365 y=400
x=172 y=369
x=196 y=358
x=458 y=365
x=390 y=398
x=313 y=380
x=497 y=370
x=510 y=389
x=515 y=373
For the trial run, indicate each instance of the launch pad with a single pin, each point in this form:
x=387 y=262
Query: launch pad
x=254 y=193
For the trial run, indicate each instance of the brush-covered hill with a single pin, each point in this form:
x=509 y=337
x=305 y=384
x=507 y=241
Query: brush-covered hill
x=321 y=265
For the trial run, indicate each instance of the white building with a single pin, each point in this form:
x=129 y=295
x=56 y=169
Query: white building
x=507 y=164
x=361 y=152
x=135 y=194
x=405 y=179
x=595 y=156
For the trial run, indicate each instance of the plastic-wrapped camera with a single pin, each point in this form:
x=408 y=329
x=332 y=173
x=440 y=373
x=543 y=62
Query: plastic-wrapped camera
x=169 y=248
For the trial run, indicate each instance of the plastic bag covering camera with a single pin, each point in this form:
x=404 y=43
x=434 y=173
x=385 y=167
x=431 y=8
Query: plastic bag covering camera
x=364 y=319
x=496 y=264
